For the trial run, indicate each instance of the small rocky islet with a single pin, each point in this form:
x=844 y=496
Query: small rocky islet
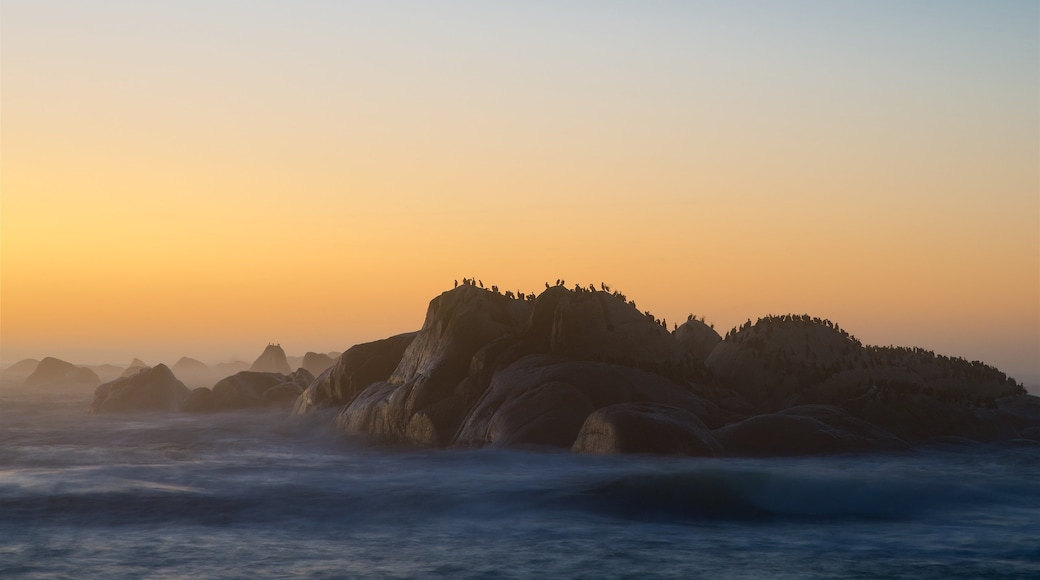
x=583 y=369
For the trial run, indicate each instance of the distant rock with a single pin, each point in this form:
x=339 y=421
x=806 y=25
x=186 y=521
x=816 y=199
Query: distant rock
x=137 y=365
x=357 y=368
x=645 y=428
x=151 y=389
x=295 y=362
x=52 y=372
x=24 y=367
x=272 y=360
x=16 y=374
x=316 y=363
x=191 y=371
x=107 y=372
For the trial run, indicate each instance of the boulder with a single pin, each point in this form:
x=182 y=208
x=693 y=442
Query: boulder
x=248 y=389
x=245 y=389
x=153 y=389
x=645 y=428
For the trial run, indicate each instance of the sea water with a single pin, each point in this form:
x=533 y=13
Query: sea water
x=254 y=495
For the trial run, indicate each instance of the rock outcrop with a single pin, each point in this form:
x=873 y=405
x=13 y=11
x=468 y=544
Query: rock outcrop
x=52 y=372
x=357 y=368
x=272 y=360
x=150 y=389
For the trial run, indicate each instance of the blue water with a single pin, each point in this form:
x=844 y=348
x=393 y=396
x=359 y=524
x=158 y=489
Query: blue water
x=254 y=496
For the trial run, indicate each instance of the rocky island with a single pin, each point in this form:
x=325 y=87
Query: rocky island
x=583 y=369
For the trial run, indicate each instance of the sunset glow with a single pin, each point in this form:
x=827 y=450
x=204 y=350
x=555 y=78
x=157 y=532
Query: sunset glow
x=200 y=178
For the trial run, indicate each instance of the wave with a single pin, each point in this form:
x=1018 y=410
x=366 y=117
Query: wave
x=715 y=492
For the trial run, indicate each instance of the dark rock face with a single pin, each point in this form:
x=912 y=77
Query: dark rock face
x=316 y=363
x=783 y=361
x=153 y=389
x=272 y=360
x=645 y=428
x=808 y=430
x=357 y=368
x=545 y=399
x=52 y=372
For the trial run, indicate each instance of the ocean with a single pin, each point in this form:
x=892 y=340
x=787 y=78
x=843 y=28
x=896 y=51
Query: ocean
x=255 y=495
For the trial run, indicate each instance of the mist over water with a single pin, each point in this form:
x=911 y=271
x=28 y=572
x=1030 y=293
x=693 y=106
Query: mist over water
x=255 y=495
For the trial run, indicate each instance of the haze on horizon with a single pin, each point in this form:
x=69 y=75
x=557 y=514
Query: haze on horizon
x=200 y=179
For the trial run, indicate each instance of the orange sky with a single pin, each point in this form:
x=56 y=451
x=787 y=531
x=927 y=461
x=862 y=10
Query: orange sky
x=198 y=179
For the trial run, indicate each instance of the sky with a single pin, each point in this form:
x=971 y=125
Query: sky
x=202 y=178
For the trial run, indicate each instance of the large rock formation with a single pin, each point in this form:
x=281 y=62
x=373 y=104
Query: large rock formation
x=52 y=372
x=584 y=369
x=272 y=360
x=488 y=369
x=150 y=389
